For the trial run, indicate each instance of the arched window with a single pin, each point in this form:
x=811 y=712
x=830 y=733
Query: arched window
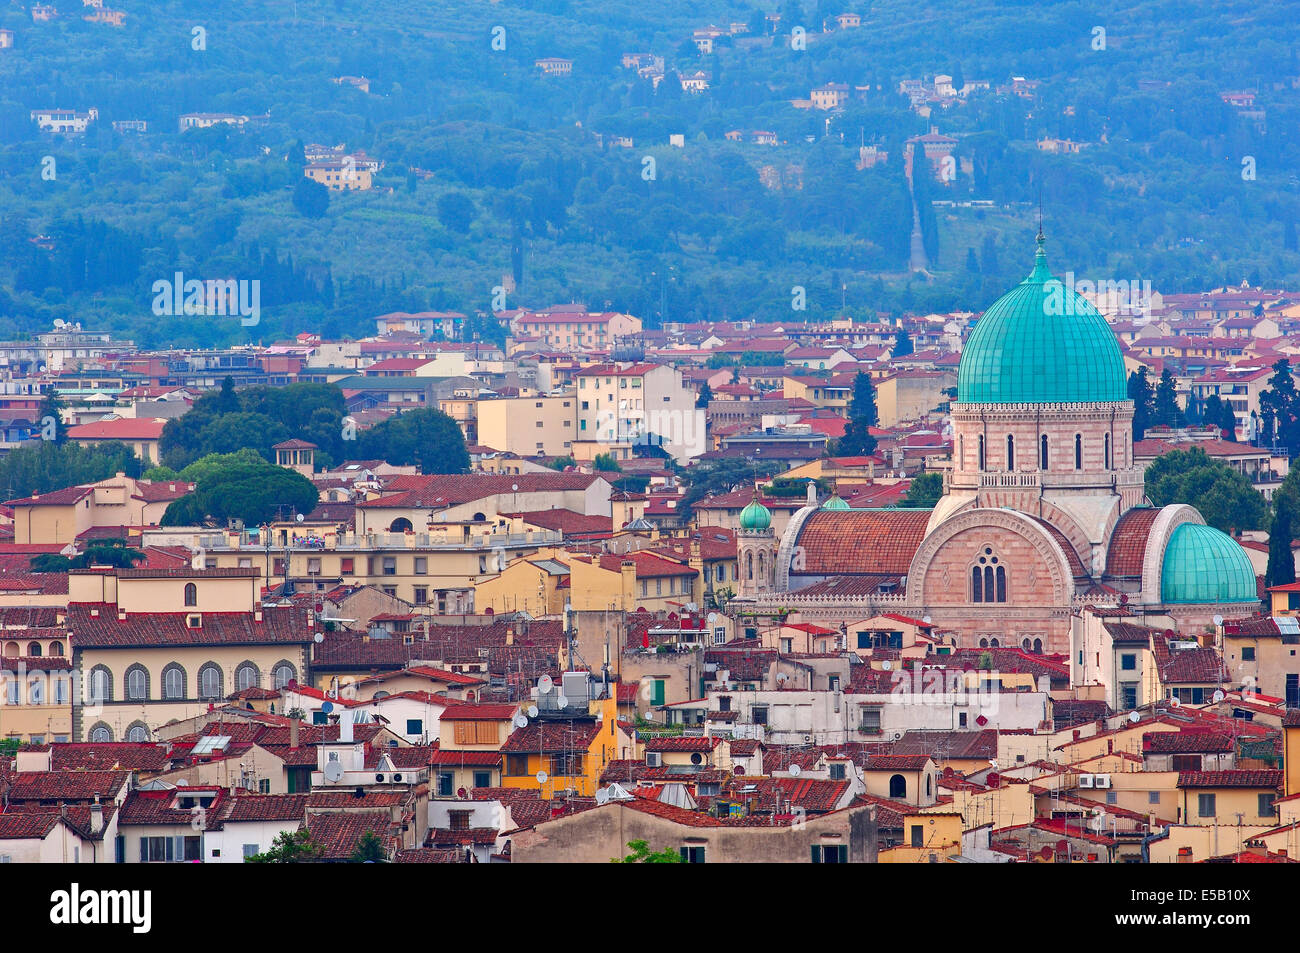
x=101 y=734
x=1002 y=584
x=137 y=683
x=762 y=568
x=981 y=451
x=988 y=579
x=929 y=785
x=961 y=450
x=283 y=674
x=247 y=676
x=173 y=683
x=1026 y=644
x=1078 y=451
x=1042 y=452
x=34 y=649
x=101 y=684
x=56 y=649
x=984 y=643
x=11 y=649
x=401 y=525
x=138 y=733
x=1011 y=452
x=210 y=681
x=898 y=786
x=749 y=566
x=191 y=594
x=993 y=643
x=1107 y=441
x=976 y=584
x=1038 y=645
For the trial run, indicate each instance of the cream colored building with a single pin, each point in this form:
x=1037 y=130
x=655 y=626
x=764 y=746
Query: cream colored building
x=63 y=515
x=528 y=426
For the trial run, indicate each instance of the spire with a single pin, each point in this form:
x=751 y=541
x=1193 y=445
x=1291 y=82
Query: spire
x=1041 y=272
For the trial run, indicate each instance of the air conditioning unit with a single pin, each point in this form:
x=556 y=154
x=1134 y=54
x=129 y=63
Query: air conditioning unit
x=1101 y=781
x=1085 y=780
x=379 y=778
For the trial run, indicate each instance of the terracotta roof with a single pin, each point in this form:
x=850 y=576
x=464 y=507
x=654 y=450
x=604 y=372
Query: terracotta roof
x=266 y=807
x=682 y=743
x=70 y=786
x=124 y=428
x=896 y=762
x=108 y=756
x=1239 y=778
x=1128 y=542
x=1186 y=742
x=430 y=855
x=857 y=542
x=340 y=833
x=96 y=625
x=552 y=736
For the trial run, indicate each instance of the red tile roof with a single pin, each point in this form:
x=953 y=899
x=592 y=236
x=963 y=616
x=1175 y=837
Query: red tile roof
x=858 y=542
x=1239 y=778
x=97 y=626
x=1128 y=542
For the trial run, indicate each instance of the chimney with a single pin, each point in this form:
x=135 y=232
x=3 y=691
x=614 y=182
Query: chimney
x=345 y=726
x=1184 y=855
x=293 y=733
x=96 y=817
x=510 y=635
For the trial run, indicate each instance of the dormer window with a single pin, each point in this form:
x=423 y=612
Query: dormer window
x=194 y=621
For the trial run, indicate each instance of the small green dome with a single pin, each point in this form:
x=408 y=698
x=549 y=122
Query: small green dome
x=755 y=516
x=1041 y=343
x=1204 y=565
x=835 y=503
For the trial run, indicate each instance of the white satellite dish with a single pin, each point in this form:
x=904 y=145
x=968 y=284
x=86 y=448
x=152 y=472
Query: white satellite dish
x=333 y=771
x=545 y=684
x=532 y=711
x=886 y=665
x=713 y=617
x=541 y=777
x=926 y=619
x=300 y=517
x=562 y=700
x=520 y=721
x=795 y=770
x=1218 y=695
x=1218 y=620
x=319 y=637
x=1174 y=702
x=1134 y=717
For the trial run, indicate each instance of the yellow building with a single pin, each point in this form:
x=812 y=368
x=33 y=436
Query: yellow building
x=555 y=752
x=36 y=698
x=538 y=585
x=1229 y=798
x=340 y=175
x=927 y=838
x=119 y=501
x=528 y=426
x=468 y=755
x=163 y=645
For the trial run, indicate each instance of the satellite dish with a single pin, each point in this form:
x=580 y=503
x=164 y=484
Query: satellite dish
x=514 y=487
x=886 y=665
x=926 y=619
x=562 y=700
x=1218 y=695
x=795 y=770
x=1218 y=620
x=1174 y=702
x=532 y=711
x=300 y=517
x=541 y=777
x=1134 y=717
x=327 y=707
x=713 y=617
x=545 y=684
x=320 y=637
x=520 y=721
x=738 y=771
x=462 y=793
x=333 y=771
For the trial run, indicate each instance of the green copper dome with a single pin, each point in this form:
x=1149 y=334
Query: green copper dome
x=755 y=516
x=1204 y=565
x=1041 y=342
x=835 y=503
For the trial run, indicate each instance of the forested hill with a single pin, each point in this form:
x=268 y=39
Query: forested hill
x=494 y=172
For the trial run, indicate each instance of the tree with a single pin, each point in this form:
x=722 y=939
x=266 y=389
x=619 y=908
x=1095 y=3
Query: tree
x=310 y=198
x=1281 y=561
x=1139 y=391
x=254 y=491
x=290 y=847
x=1216 y=412
x=705 y=395
x=50 y=418
x=562 y=463
x=425 y=437
x=857 y=440
x=925 y=491
x=456 y=211
x=862 y=406
x=227 y=400
x=722 y=476
x=369 y=850
x=101 y=552
x=1222 y=495
x=1167 y=413
x=902 y=344
x=606 y=463
x=1279 y=408
x=642 y=854
x=52 y=466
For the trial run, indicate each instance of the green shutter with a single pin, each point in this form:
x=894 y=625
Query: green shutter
x=657 y=695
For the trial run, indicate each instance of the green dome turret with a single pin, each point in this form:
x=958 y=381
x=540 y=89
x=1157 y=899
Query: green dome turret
x=835 y=503
x=1041 y=342
x=1204 y=565
x=755 y=517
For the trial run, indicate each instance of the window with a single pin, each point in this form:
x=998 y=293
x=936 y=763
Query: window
x=346 y=564
x=1128 y=694
x=692 y=855
x=988 y=579
x=191 y=594
x=173 y=683
x=1266 y=808
x=210 y=681
x=445 y=782
x=1248 y=653
x=1078 y=451
x=1011 y=452
x=758 y=714
x=137 y=734
x=870 y=721
x=482 y=779
x=1042 y=452
x=421 y=565
x=918 y=835
x=837 y=772
x=101 y=684
x=1205 y=805
x=898 y=786
x=981 y=451
x=283 y=674
x=390 y=565
x=101 y=734
x=830 y=854
x=250 y=850
x=1128 y=662
x=247 y=676
x=421 y=595
x=1153 y=797
x=1107 y=442
x=415 y=726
